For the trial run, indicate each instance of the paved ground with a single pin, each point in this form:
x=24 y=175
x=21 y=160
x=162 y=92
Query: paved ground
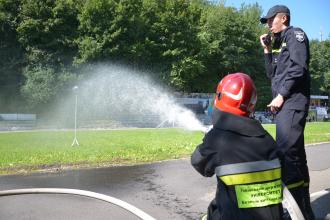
x=318 y=157
x=167 y=191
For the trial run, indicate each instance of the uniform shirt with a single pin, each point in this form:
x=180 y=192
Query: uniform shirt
x=287 y=67
x=232 y=140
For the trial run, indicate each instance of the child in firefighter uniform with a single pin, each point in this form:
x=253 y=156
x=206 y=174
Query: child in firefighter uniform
x=242 y=155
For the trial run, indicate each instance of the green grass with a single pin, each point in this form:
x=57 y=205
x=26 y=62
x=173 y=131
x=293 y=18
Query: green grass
x=315 y=132
x=25 y=151
x=43 y=149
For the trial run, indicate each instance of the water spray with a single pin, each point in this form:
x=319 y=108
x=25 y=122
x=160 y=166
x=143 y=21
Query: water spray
x=117 y=94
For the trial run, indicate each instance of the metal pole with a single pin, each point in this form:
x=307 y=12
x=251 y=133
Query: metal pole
x=75 y=118
x=75 y=140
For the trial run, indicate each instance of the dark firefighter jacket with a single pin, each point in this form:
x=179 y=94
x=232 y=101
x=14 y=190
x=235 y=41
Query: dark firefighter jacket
x=287 y=67
x=243 y=157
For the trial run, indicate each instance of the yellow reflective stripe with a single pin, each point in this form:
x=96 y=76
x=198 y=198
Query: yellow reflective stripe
x=306 y=184
x=294 y=185
x=245 y=178
x=279 y=50
x=276 y=50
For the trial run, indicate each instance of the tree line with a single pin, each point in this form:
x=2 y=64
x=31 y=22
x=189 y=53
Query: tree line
x=188 y=44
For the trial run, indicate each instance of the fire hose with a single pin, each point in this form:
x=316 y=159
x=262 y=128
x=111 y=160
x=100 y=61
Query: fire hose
x=291 y=205
x=137 y=212
x=288 y=201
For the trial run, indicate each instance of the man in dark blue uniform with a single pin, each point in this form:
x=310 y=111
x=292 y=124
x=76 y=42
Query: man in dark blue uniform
x=286 y=52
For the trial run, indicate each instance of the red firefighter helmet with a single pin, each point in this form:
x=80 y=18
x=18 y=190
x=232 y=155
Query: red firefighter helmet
x=236 y=94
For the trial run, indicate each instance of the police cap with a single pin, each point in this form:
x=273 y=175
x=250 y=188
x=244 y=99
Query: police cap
x=274 y=11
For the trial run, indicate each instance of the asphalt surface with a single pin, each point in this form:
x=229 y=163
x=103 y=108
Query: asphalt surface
x=166 y=190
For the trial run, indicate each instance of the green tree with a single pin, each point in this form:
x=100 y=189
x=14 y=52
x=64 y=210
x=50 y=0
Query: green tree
x=149 y=33
x=111 y=30
x=44 y=84
x=48 y=30
x=230 y=39
x=39 y=85
x=320 y=67
x=178 y=28
x=190 y=44
x=254 y=64
x=186 y=74
x=11 y=57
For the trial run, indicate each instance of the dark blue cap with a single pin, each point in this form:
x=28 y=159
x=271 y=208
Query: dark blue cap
x=274 y=11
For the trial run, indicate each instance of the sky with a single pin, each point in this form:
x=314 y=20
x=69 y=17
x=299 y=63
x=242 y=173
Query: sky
x=313 y=16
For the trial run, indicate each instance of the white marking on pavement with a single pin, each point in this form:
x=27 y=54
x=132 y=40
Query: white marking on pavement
x=318 y=194
x=313 y=144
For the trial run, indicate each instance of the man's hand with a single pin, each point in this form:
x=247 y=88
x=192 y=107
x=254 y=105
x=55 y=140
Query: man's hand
x=276 y=103
x=266 y=47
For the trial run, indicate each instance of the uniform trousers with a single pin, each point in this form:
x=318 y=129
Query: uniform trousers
x=290 y=126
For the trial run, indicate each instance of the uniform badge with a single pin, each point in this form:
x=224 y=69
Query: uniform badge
x=300 y=36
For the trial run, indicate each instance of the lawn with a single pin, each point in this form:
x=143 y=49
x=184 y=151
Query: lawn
x=34 y=150
x=44 y=149
x=315 y=132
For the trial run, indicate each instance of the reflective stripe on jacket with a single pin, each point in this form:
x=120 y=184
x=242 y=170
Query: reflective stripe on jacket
x=257 y=183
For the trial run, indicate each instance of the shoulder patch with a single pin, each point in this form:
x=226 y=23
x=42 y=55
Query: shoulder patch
x=300 y=35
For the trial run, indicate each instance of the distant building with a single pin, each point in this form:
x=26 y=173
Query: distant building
x=318 y=109
x=319 y=100
x=199 y=103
